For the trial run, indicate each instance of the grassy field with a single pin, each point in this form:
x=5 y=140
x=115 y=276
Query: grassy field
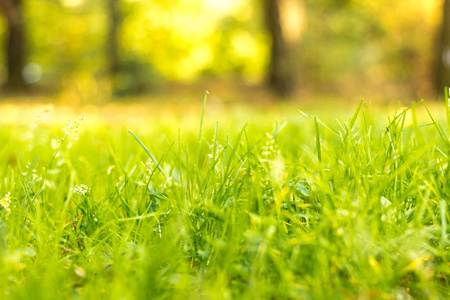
x=139 y=202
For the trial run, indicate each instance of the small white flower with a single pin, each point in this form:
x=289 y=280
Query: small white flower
x=73 y=127
x=81 y=189
x=219 y=149
x=148 y=169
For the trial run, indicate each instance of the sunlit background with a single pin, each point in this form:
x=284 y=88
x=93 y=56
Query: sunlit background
x=80 y=51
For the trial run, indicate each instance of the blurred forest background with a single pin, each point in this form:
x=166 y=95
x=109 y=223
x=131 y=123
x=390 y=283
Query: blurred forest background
x=89 y=51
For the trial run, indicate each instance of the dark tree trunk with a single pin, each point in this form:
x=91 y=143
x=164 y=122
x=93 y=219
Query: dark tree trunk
x=15 y=45
x=443 y=61
x=281 y=67
x=113 y=37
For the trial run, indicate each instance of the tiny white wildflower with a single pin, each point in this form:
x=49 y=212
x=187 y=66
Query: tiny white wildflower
x=219 y=149
x=81 y=189
x=148 y=169
x=73 y=127
x=269 y=150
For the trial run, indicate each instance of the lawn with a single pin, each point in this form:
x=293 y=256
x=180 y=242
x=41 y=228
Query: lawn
x=288 y=202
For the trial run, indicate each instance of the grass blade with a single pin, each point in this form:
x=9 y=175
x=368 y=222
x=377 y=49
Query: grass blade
x=319 y=151
x=147 y=151
x=201 y=120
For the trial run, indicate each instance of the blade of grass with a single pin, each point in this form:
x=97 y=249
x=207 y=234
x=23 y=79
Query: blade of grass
x=201 y=119
x=320 y=122
x=443 y=207
x=148 y=152
x=319 y=151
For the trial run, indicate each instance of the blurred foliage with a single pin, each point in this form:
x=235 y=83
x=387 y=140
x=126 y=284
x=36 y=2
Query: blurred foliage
x=338 y=43
x=373 y=41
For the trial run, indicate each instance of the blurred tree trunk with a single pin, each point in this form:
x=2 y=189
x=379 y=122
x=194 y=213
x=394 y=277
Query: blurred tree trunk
x=443 y=63
x=113 y=37
x=15 y=45
x=281 y=67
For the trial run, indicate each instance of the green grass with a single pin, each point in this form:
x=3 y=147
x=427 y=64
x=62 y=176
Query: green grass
x=310 y=209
